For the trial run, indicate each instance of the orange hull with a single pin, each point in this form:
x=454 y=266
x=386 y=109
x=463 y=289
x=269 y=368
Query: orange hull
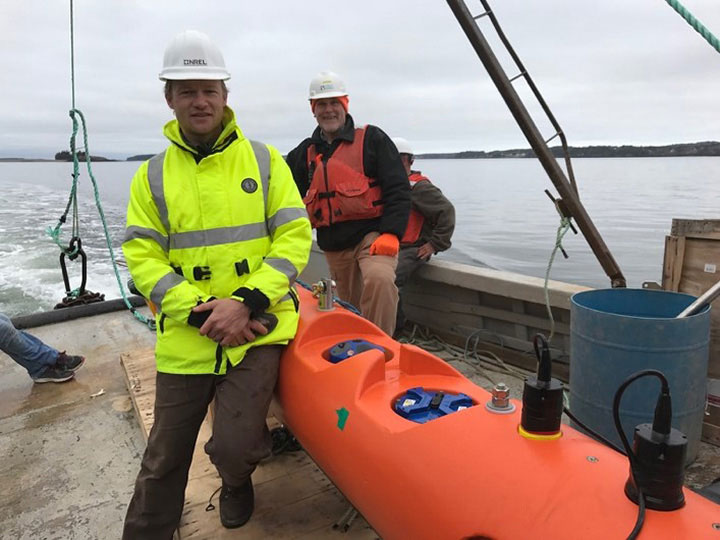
x=466 y=474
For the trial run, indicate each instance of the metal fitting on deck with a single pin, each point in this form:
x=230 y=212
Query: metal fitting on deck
x=500 y=402
x=324 y=291
x=500 y=396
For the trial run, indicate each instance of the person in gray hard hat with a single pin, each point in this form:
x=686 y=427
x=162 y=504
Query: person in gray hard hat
x=429 y=229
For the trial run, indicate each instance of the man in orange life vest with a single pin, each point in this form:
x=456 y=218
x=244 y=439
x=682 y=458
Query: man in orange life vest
x=430 y=227
x=357 y=197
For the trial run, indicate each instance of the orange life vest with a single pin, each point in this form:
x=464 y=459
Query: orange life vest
x=339 y=189
x=416 y=219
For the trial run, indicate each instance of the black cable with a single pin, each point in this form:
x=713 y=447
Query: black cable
x=631 y=456
x=641 y=516
x=210 y=506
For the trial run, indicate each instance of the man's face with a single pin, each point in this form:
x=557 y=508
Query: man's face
x=407 y=162
x=198 y=107
x=330 y=115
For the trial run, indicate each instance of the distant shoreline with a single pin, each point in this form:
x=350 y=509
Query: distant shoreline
x=699 y=149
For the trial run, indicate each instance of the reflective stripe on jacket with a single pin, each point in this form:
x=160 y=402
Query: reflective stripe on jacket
x=416 y=219
x=215 y=226
x=339 y=189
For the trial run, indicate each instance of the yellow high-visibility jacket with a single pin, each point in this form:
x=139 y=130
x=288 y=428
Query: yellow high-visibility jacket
x=230 y=224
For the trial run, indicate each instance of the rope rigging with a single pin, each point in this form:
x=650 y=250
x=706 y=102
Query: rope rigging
x=74 y=247
x=562 y=230
x=697 y=25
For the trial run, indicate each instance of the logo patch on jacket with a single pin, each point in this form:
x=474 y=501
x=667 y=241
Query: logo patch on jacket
x=249 y=185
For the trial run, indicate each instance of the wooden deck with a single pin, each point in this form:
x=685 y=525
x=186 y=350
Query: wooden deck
x=293 y=498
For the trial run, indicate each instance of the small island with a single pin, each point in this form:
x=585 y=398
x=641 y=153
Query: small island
x=65 y=155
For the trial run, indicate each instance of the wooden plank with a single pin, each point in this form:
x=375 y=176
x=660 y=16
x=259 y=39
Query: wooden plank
x=692 y=265
x=446 y=314
x=294 y=499
x=505 y=284
x=711 y=434
x=712 y=414
x=677 y=270
x=139 y=372
x=688 y=227
x=521 y=331
x=673 y=262
x=701 y=270
x=705 y=236
x=669 y=262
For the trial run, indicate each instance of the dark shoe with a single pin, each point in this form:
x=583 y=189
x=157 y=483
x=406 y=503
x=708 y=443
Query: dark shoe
x=54 y=374
x=69 y=363
x=283 y=441
x=236 y=504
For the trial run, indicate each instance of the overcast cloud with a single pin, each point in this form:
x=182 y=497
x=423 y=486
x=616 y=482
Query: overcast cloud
x=613 y=72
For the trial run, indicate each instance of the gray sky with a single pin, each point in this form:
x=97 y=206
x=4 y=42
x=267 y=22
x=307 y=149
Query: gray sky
x=613 y=72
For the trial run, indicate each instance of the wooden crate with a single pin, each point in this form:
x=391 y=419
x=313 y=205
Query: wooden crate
x=692 y=265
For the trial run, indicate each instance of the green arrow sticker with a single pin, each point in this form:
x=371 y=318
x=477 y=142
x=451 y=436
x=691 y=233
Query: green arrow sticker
x=342 y=417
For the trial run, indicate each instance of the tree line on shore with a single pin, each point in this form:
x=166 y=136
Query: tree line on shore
x=705 y=148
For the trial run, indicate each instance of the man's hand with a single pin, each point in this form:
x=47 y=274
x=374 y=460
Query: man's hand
x=229 y=324
x=425 y=251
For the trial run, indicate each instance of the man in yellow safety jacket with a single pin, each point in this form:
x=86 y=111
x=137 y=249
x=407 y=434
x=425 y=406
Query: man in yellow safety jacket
x=216 y=235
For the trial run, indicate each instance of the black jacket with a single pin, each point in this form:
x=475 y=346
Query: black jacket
x=381 y=162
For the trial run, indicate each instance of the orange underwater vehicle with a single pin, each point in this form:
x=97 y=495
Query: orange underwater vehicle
x=469 y=473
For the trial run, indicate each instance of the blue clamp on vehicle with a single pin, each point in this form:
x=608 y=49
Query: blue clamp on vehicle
x=420 y=405
x=346 y=349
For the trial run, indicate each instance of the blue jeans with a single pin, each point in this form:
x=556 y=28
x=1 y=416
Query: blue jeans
x=25 y=349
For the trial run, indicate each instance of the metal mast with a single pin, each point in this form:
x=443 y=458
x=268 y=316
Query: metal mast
x=570 y=204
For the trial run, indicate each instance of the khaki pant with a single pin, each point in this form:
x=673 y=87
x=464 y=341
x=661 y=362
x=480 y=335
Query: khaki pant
x=240 y=437
x=366 y=281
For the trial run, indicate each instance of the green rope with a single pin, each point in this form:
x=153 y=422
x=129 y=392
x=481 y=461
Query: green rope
x=697 y=25
x=72 y=201
x=139 y=316
x=561 y=232
x=54 y=233
x=72 y=54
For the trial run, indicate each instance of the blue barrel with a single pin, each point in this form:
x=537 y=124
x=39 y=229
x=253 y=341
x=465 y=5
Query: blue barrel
x=617 y=332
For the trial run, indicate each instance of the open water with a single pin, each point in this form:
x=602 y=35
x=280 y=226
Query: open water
x=504 y=219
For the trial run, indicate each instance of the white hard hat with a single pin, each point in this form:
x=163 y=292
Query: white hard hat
x=191 y=55
x=403 y=146
x=327 y=84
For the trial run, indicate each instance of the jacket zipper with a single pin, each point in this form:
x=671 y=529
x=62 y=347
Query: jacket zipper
x=327 y=190
x=218 y=359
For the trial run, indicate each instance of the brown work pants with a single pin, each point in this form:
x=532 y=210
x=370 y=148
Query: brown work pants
x=366 y=281
x=240 y=438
